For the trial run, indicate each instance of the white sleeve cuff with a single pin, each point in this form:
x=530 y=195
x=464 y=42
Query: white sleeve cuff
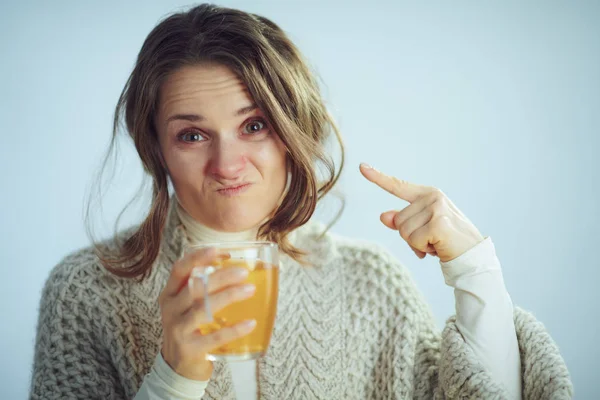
x=163 y=383
x=481 y=258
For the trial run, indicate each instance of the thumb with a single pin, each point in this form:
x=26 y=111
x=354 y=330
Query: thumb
x=387 y=218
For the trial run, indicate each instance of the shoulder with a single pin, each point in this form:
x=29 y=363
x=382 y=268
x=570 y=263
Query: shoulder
x=80 y=276
x=326 y=247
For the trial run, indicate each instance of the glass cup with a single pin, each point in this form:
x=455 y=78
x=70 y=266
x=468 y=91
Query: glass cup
x=261 y=259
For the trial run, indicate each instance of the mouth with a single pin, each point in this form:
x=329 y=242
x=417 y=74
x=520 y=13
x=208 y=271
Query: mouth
x=234 y=190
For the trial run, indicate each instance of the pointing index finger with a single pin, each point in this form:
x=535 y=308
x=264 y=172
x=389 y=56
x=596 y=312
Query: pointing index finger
x=398 y=187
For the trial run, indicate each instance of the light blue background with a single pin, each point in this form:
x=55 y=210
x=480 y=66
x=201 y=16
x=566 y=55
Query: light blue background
x=496 y=104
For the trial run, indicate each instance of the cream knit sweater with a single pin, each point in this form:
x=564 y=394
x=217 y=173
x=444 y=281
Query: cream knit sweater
x=351 y=326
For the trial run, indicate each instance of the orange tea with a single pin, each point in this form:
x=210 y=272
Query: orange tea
x=262 y=307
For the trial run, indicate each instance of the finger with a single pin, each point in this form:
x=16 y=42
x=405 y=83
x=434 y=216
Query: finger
x=430 y=250
x=399 y=188
x=387 y=218
x=197 y=314
x=180 y=271
x=422 y=239
x=419 y=253
x=217 y=280
x=393 y=219
x=223 y=336
x=414 y=223
x=222 y=278
x=414 y=208
x=408 y=227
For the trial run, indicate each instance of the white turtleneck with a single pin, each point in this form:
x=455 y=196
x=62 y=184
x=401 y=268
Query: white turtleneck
x=484 y=313
x=164 y=383
x=199 y=233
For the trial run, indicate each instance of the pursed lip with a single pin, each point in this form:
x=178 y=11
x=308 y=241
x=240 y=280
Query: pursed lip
x=234 y=189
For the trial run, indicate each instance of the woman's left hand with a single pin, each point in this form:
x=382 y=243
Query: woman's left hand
x=431 y=224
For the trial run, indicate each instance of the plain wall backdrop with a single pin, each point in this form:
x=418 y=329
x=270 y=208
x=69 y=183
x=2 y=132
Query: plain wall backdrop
x=497 y=104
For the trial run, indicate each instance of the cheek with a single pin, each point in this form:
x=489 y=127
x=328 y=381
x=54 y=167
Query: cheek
x=184 y=166
x=271 y=161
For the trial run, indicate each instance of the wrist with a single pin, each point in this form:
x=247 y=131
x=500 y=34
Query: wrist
x=198 y=371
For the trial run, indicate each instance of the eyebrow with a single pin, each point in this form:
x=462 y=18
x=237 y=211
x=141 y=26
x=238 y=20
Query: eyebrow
x=198 y=117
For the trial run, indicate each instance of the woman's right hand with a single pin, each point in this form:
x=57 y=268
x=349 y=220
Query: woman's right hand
x=182 y=310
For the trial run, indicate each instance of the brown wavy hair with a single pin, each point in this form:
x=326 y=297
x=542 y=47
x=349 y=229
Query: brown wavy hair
x=281 y=84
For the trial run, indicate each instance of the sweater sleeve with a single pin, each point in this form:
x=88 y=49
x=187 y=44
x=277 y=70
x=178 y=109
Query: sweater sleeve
x=544 y=373
x=68 y=361
x=445 y=367
x=484 y=313
x=428 y=364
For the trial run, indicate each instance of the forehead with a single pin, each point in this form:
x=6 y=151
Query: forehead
x=204 y=85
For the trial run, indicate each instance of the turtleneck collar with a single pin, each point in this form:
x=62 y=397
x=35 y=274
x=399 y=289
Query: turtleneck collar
x=200 y=233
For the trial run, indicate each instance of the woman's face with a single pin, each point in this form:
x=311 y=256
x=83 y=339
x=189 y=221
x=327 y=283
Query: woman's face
x=227 y=165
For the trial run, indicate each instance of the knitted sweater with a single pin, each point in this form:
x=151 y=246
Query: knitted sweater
x=352 y=325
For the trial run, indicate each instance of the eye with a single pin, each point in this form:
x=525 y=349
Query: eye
x=191 y=137
x=255 y=126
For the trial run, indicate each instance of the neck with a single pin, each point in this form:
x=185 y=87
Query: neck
x=200 y=233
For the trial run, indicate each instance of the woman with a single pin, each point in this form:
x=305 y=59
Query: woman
x=222 y=106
